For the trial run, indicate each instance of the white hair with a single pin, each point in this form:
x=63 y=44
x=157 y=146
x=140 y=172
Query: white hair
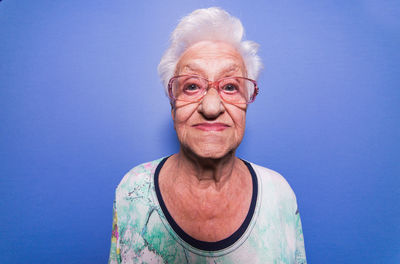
x=209 y=24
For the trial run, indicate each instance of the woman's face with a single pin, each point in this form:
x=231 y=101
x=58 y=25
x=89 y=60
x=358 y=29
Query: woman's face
x=210 y=128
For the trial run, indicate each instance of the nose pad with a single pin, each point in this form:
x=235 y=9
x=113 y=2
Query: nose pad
x=211 y=105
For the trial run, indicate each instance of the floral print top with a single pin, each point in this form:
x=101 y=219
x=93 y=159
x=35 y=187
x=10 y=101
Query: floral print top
x=145 y=232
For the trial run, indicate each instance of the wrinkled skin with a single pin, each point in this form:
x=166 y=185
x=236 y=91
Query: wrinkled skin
x=211 y=60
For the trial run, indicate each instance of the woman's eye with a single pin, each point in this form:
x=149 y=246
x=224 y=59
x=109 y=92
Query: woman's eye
x=191 y=87
x=229 y=88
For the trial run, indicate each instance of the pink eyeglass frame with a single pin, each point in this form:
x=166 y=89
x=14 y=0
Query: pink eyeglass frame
x=211 y=84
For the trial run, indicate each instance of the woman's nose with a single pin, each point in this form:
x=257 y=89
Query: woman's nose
x=211 y=105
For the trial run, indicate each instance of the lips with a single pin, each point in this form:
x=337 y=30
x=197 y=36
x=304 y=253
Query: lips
x=211 y=126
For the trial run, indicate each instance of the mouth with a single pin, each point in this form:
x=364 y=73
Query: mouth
x=211 y=126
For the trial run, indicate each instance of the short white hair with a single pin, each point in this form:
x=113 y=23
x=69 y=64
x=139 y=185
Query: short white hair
x=209 y=24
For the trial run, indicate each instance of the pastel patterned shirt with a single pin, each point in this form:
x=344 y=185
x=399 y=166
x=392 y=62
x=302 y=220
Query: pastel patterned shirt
x=145 y=232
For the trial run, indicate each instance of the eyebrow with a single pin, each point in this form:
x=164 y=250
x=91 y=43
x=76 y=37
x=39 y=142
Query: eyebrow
x=227 y=69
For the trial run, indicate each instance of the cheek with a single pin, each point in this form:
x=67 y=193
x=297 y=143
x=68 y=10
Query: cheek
x=181 y=117
x=238 y=116
x=241 y=120
x=241 y=125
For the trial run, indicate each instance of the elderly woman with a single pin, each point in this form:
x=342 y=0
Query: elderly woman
x=203 y=204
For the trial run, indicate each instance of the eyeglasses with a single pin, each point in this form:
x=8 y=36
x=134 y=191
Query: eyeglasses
x=192 y=88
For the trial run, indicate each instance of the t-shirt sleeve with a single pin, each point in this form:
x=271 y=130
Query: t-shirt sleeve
x=115 y=256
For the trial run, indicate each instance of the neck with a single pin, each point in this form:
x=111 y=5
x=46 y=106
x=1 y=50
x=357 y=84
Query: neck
x=206 y=172
x=208 y=198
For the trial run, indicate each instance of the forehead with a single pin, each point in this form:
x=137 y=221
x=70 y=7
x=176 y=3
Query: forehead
x=211 y=56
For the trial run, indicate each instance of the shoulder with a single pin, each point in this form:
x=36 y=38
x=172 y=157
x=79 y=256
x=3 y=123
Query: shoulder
x=138 y=180
x=273 y=183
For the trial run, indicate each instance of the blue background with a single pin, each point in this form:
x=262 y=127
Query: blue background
x=81 y=104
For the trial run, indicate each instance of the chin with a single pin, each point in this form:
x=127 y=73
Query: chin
x=210 y=146
x=212 y=151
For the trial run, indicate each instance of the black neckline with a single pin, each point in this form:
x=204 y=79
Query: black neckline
x=203 y=245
